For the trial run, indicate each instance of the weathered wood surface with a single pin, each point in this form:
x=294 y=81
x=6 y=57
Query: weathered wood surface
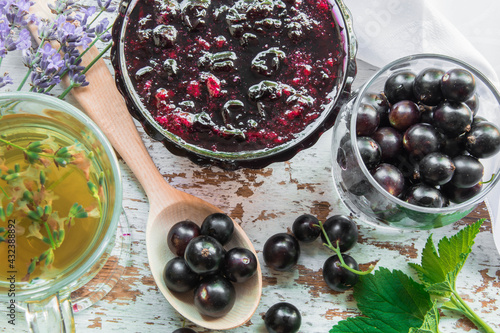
x=265 y=202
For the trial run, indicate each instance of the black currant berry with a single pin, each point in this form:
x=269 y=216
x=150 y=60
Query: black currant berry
x=204 y=254
x=180 y=235
x=427 y=116
x=281 y=252
x=458 y=85
x=240 y=264
x=436 y=169
x=453 y=146
x=453 y=118
x=468 y=171
x=340 y=228
x=459 y=195
x=473 y=104
x=184 y=330
x=306 y=228
x=283 y=317
x=390 y=178
x=219 y=226
x=425 y=196
x=403 y=114
x=367 y=120
x=421 y=139
x=380 y=103
x=427 y=86
x=399 y=86
x=370 y=151
x=483 y=140
x=390 y=142
x=179 y=277
x=214 y=296
x=337 y=277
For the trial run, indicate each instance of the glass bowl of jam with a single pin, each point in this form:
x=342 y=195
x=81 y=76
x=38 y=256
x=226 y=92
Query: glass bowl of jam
x=235 y=83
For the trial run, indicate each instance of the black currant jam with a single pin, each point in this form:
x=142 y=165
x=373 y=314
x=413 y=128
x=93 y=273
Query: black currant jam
x=231 y=76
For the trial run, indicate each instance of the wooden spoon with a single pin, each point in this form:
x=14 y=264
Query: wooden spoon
x=103 y=103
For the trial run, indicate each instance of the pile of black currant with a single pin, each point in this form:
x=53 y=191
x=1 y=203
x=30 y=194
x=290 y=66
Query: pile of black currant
x=339 y=233
x=421 y=139
x=203 y=265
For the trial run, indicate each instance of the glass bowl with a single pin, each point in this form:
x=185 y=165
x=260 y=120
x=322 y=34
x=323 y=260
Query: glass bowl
x=233 y=150
x=363 y=195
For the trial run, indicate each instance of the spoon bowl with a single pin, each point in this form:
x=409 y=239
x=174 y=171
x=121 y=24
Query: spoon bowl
x=159 y=254
x=103 y=103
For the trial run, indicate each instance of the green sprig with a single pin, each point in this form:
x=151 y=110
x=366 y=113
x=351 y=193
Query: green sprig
x=34 y=202
x=337 y=251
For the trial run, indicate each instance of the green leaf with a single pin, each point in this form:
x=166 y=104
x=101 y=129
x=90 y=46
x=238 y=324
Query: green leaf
x=9 y=209
x=43 y=178
x=32 y=157
x=35 y=146
x=60 y=161
x=28 y=196
x=431 y=322
x=2 y=214
x=93 y=188
x=50 y=258
x=11 y=176
x=362 y=325
x=33 y=215
x=32 y=266
x=390 y=302
x=439 y=269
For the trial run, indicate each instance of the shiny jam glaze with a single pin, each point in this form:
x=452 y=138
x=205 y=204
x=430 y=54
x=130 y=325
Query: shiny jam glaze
x=234 y=76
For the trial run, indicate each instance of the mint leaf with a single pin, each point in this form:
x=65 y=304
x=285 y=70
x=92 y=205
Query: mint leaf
x=438 y=271
x=431 y=322
x=390 y=302
x=362 y=325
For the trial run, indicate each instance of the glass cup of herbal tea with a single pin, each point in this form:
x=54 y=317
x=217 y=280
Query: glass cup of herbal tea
x=60 y=205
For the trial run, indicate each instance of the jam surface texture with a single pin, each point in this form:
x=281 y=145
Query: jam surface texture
x=233 y=76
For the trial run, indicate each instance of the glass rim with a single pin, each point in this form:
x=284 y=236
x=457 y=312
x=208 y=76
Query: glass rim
x=364 y=89
x=55 y=285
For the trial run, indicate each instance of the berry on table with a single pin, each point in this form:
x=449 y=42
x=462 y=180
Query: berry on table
x=281 y=252
x=337 y=277
x=306 y=228
x=283 y=317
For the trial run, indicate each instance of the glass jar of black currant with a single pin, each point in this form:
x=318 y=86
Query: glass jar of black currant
x=235 y=83
x=417 y=145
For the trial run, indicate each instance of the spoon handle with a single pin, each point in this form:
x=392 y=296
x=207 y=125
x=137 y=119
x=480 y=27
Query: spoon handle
x=103 y=103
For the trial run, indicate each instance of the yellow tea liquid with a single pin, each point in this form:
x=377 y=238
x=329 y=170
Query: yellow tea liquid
x=68 y=183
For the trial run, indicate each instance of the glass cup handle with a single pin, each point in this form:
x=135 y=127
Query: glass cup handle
x=51 y=315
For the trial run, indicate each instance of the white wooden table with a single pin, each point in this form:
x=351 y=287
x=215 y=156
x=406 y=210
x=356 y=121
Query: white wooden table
x=265 y=202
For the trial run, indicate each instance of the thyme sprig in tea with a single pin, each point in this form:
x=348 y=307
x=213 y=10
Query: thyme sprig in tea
x=27 y=191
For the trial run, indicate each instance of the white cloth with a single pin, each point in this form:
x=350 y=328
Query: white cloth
x=470 y=31
x=390 y=29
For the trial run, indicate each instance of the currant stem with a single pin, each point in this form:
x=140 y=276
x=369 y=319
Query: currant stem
x=336 y=249
x=469 y=313
x=489 y=180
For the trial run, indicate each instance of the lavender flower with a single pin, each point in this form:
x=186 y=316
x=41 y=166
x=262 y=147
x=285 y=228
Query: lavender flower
x=15 y=11
x=5 y=80
x=74 y=28
x=71 y=36
x=105 y=6
x=83 y=16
